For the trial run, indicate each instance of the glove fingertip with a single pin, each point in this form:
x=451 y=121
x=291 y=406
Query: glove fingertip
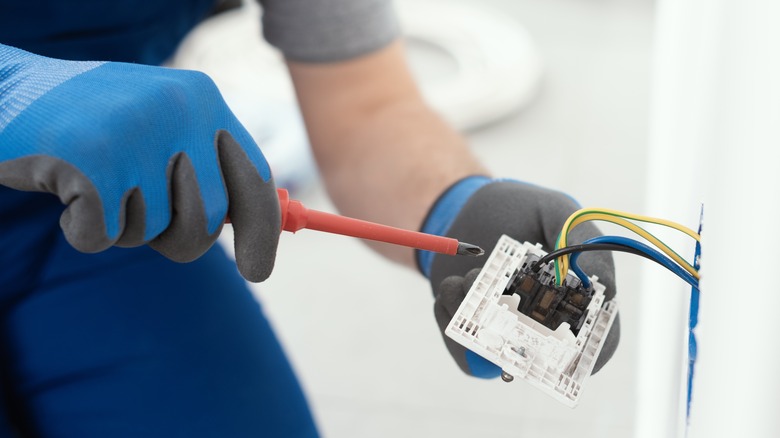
x=175 y=247
x=79 y=233
x=470 y=277
x=451 y=294
x=187 y=235
x=451 y=283
x=253 y=207
x=256 y=237
x=443 y=316
x=258 y=267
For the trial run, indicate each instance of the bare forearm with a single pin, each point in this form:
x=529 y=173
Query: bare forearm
x=384 y=155
x=401 y=161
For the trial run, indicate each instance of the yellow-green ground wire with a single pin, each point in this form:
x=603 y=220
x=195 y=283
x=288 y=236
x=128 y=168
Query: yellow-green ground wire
x=620 y=218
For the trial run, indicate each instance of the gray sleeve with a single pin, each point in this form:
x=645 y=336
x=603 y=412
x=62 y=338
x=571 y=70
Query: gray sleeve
x=328 y=30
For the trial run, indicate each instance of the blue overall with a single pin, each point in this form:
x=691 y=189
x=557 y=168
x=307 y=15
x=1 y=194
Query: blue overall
x=126 y=343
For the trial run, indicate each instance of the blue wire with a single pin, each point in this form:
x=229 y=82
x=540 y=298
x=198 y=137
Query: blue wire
x=577 y=271
x=631 y=243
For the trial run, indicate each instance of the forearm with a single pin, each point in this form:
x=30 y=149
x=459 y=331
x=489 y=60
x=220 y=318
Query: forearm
x=399 y=162
x=383 y=154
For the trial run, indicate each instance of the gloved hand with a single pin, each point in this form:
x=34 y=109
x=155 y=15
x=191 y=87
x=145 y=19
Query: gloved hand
x=479 y=210
x=139 y=154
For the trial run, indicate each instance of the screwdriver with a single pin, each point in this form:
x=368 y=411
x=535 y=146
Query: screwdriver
x=295 y=217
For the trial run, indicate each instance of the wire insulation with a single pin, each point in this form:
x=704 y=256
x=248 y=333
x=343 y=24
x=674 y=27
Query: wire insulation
x=645 y=250
x=621 y=218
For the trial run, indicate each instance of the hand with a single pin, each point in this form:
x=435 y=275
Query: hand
x=479 y=210
x=140 y=155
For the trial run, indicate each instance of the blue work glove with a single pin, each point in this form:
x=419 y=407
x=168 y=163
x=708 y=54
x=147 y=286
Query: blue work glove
x=140 y=155
x=479 y=210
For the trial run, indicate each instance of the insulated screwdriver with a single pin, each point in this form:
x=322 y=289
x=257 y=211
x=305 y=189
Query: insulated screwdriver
x=295 y=217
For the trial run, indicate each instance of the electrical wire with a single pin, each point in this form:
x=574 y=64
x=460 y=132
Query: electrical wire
x=644 y=250
x=620 y=218
x=562 y=265
x=585 y=247
x=576 y=249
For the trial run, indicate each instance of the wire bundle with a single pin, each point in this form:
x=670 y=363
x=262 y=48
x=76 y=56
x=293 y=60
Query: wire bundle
x=565 y=257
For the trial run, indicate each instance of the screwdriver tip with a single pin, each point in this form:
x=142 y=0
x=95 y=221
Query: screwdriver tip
x=469 y=249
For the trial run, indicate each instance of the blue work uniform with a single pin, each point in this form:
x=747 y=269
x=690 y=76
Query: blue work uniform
x=125 y=343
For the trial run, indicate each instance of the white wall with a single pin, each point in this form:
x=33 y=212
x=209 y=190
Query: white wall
x=715 y=137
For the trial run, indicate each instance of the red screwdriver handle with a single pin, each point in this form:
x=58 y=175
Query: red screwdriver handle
x=294 y=214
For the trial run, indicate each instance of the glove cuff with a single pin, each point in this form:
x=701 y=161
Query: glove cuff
x=443 y=213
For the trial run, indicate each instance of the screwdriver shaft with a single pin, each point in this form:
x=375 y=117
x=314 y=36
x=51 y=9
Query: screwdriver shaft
x=295 y=216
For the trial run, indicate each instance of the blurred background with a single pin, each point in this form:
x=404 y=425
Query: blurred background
x=554 y=92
